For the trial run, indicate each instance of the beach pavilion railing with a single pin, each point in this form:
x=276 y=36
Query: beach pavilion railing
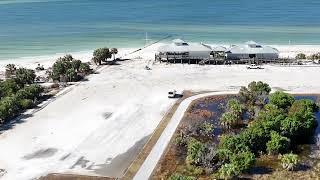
x=185 y=58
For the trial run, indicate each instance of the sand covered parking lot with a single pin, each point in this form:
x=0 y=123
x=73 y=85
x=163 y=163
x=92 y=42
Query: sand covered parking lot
x=100 y=125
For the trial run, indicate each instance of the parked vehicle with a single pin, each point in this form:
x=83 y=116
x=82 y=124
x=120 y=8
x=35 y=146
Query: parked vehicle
x=147 y=68
x=174 y=94
x=254 y=66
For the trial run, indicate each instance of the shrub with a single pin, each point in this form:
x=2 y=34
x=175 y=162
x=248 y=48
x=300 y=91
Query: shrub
x=259 y=88
x=194 y=170
x=195 y=151
x=59 y=68
x=302 y=107
x=270 y=118
x=210 y=157
x=8 y=87
x=206 y=129
x=254 y=97
x=25 y=76
x=35 y=90
x=277 y=144
x=314 y=56
x=71 y=75
x=255 y=137
x=101 y=55
x=301 y=120
x=301 y=56
x=114 y=51
x=289 y=161
x=24 y=94
x=84 y=68
x=228 y=171
x=243 y=160
x=181 y=139
x=233 y=115
x=25 y=103
x=290 y=126
x=253 y=92
x=67 y=69
x=10 y=70
x=76 y=64
x=235 y=107
x=224 y=154
x=281 y=100
x=229 y=120
x=233 y=144
x=178 y=176
x=8 y=108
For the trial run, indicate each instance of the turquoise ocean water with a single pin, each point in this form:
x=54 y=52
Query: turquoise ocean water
x=44 y=27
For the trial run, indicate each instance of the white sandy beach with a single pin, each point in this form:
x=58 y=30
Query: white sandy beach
x=286 y=51
x=106 y=116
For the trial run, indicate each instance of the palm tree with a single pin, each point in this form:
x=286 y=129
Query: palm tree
x=235 y=107
x=229 y=120
x=114 y=51
x=10 y=70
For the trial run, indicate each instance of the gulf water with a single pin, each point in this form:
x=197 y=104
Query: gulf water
x=44 y=27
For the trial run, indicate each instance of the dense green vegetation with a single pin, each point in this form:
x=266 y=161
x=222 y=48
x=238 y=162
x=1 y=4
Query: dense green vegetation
x=233 y=116
x=276 y=124
x=68 y=69
x=289 y=161
x=181 y=177
x=17 y=92
x=301 y=56
x=311 y=57
x=314 y=56
x=102 y=54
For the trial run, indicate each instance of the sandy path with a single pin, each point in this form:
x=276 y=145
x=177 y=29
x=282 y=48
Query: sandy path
x=150 y=163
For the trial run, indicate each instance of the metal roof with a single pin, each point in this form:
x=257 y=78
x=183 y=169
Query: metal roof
x=178 y=41
x=182 y=46
x=219 y=49
x=252 y=47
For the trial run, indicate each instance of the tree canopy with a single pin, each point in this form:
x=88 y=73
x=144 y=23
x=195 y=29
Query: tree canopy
x=69 y=69
x=278 y=144
x=289 y=161
x=25 y=76
x=301 y=56
x=18 y=92
x=101 y=55
x=281 y=100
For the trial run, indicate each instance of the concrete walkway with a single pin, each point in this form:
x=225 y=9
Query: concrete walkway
x=151 y=162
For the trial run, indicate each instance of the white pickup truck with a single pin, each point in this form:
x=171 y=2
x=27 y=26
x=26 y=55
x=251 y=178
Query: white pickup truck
x=254 y=66
x=174 y=94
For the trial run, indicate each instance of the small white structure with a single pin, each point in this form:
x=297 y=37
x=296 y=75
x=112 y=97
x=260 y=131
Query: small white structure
x=252 y=50
x=180 y=49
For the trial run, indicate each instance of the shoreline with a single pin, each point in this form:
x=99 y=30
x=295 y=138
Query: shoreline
x=286 y=51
